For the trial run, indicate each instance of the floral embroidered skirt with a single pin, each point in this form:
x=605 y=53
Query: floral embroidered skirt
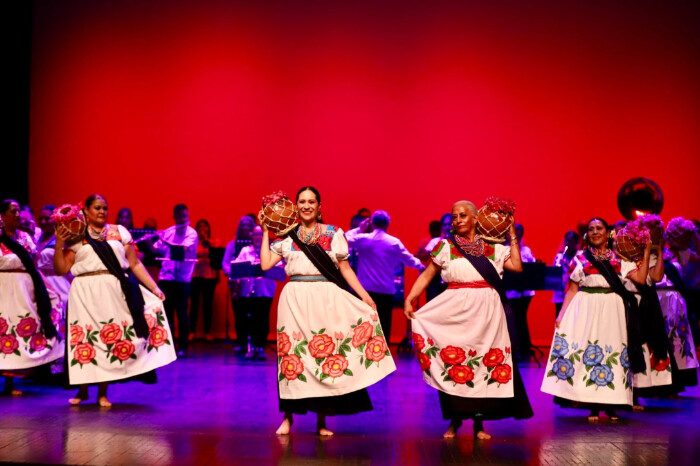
x=463 y=346
x=103 y=345
x=678 y=329
x=588 y=361
x=329 y=343
x=22 y=341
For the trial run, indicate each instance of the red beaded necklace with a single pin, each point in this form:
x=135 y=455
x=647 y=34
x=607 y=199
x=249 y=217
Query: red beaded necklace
x=473 y=248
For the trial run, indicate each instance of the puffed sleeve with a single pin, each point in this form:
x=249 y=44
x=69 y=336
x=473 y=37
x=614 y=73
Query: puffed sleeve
x=440 y=254
x=627 y=267
x=276 y=246
x=339 y=245
x=502 y=253
x=125 y=235
x=576 y=273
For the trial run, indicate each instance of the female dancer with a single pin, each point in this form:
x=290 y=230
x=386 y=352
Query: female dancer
x=596 y=345
x=118 y=329
x=330 y=344
x=462 y=335
x=28 y=316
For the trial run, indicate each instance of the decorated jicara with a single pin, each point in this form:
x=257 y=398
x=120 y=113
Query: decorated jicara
x=655 y=225
x=494 y=219
x=679 y=232
x=71 y=217
x=631 y=241
x=279 y=213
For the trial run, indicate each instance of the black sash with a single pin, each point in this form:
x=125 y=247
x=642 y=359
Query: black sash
x=675 y=277
x=634 y=340
x=41 y=296
x=321 y=260
x=486 y=269
x=128 y=282
x=652 y=322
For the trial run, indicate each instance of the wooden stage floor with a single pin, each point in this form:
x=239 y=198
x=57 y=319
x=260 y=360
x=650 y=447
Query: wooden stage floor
x=214 y=408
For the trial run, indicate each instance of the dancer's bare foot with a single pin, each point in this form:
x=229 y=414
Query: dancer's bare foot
x=593 y=418
x=612 y=415
x=482 y=435
x=79 y=398
x=103 y=402
x=15 y=392
x=451 y=431
x=321 y=428
x=637 y=408
x=286 y=426
x=323 y=432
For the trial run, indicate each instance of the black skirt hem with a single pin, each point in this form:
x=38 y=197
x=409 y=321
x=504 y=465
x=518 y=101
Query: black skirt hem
x=349 y=403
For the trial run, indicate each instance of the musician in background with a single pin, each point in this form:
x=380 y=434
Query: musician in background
x=380 y=253
x=204 y=281
x=243 y=238
x=563 y=259
x=176 y=272
x=437 y=286
x=254 y=301
x=125 y=218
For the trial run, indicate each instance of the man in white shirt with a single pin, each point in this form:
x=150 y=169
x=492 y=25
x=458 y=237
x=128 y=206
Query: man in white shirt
x=178 y=245
x=520 y=301
x=379 y=254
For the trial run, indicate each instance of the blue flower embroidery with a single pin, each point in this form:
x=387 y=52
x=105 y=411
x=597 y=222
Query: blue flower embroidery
x=560 y=347
x=608 y=349
x=574 y=345
x=563 y=369
x=593 y=355
x=602 y=375
x=625 y=358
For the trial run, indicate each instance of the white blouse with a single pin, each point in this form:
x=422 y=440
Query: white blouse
x=455 y=268
x=87 y=260
x=296 y=263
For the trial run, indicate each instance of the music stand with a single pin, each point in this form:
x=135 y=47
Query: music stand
x=216 y=257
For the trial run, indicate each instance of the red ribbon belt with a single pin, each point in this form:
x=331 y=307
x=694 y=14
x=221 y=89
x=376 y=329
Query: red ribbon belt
x=476 y=284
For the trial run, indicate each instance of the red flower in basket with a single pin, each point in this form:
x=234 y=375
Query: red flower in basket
x=494 y=219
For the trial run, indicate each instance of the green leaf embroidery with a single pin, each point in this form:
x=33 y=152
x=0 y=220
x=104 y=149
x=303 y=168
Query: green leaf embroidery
x=281 y=377
x=571 y=382
x=368 y=363
x=302 y=377
x=470 y=384
x=323 y=377
x=347 y=372
x=319 y=361
x=321 y=331
x=611 y=385
x=551 y=374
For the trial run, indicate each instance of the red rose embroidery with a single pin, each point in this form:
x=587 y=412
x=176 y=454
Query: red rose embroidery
x=472 y=353
x=26 y=327
x=123 y=350
x=38 y=342
x=431 y=342
x=151 y=321
x=321 y=346
x=419 y=341
x=291 y=366
x=335 y=365
x=453 y=355
x=283 y=344
x=76 y=334
x=461 y=374
x=158 y=337
x=424 y=361
x=494 y=357
x=8 y=344
x=376 y=349
x=361 y=334
x=659 y=365
x=3 y=326
x=502 y=373
x=110 y=334
x=84 y=353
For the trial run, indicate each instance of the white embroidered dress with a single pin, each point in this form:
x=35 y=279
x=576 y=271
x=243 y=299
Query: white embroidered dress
x=329 y=342
x=103 y=344
x=588 y=359
x=22 y=341
x=461 y=335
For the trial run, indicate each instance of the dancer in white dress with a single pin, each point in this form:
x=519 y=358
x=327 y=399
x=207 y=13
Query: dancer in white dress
x=330 y=344
x=461 y=335
x=112 y=337
x=29 y=314
x=592 y=354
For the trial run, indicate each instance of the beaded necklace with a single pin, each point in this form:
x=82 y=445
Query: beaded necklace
x=473 y=248
x=312 y=236
x=602 y=256
x=98 y=235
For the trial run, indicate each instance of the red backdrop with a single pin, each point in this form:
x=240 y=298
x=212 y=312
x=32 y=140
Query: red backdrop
x=380 y=105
